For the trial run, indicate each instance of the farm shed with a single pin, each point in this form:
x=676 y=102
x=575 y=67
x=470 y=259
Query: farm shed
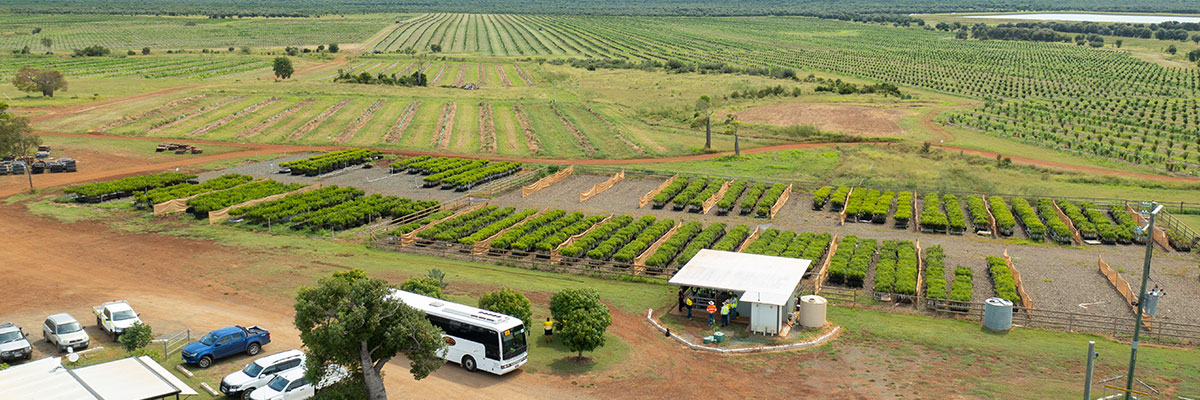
x=133 y=378
x=768 y=285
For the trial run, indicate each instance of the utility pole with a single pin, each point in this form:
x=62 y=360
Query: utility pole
x=1091 y=363
x=1137 y=327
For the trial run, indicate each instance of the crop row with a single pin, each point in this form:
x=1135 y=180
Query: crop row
x=455 y=173
x=282 y=210
x=358 y=212
x=466 y=224
x=1002 y=279
x=96 y=192
x=201 y=205
x=1059 y=232
x=935 y=273
x=426 y=220
x=330 y=161
x=159 y=195
x=849 y=264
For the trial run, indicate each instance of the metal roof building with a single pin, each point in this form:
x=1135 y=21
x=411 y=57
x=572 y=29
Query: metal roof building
x=768 y=284
x=134 y=378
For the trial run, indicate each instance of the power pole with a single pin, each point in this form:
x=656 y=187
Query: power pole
x=1137 y=327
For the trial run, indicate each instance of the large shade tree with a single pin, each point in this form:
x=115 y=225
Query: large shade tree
x=17 y=139
x=351 y=320
x=582 y=319
x=283 y=68
x=31 y=79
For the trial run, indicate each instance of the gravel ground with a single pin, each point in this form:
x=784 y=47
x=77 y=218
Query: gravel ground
x=371 y=181
x=1056 y=278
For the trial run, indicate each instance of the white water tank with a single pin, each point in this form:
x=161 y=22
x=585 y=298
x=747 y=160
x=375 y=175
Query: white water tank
x=812 y=311
x=997 y=314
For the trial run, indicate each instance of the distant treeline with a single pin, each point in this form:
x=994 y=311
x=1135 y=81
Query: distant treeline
x=1048 y=31
x=673 y=66
x=877 y=10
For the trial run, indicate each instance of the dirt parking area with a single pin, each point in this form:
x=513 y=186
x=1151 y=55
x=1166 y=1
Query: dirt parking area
x=870 y=121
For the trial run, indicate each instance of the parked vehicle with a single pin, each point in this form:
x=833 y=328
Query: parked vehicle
x=64 y=332
x=38 y=167
x=42 y=154
x=55 y=166
x=68 y=164
x=292 y=385
x=115 y=317
x=18 y=167
x=14 y=344
x=5 y=167
x=258 y=373
x=478 y=339
x=225 y=342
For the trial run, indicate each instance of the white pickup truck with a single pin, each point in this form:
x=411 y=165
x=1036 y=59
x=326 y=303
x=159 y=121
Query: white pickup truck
x=115 y=316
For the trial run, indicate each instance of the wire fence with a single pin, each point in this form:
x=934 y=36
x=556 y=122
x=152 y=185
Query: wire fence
x=1109 y=325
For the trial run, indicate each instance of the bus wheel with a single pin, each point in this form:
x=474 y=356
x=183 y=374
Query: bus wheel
x=468 y=363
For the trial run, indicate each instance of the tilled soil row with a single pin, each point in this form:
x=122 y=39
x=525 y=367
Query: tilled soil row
x=482 y=75
x=227 y=119
x=524 y=76
x=487 y=129
x=312 y=124
x=264 y=125
x=531 y=137
x=129 y=119
x=358 y=123
x=445 y=126
x=397 y=132
x=441 y=71
x=458 y=81
x=583 y=141
x=616 y=132
x=503 y=78
x=191 y=115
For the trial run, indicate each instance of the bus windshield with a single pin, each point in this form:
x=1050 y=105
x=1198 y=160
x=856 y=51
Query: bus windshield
x=514 y=342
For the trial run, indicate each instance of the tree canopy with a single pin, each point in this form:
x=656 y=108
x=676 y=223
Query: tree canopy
x=424 y=285
x=17 y=138
x=283 y=68
x=31 y=79
x=351 y=320
x=508 y=302
x=582 y=319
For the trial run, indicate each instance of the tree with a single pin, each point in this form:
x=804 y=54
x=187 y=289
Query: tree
x=1172 y=50
x=351 y=320
x=436 y=48
x=145 y=51
x=31 y=79
x=17 y=138
x=283 y=68
x=245 y=49
x=424 y=286
x=333 y=48
x=137 y=336
x=291 y=51
x=582 y=319
x=37 y=30
x=1119 y=42
x=47 y=43
x=705 y=107
x=508 y=302
x=731 y=128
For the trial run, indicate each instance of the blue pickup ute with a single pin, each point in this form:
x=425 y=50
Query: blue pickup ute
x=225 y=342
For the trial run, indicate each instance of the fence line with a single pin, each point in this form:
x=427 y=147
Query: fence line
x=1110 y=325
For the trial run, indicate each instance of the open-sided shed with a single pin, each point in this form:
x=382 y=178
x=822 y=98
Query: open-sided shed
x=768 y=285
x=133 y=378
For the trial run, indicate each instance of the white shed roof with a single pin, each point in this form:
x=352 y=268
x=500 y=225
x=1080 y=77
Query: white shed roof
x=764 y=279
x=129 y=378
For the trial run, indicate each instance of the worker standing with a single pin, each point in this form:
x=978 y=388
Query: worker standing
x=681 y=296
x=688 y=302
x=733 y=308
x=725 y=314
x=712 y=313
x=549 y=329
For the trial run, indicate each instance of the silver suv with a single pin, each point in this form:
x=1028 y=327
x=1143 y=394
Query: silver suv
x=13 y=343
x=65 y=332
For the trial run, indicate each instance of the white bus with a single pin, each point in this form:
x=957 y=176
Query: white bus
x=476 y=338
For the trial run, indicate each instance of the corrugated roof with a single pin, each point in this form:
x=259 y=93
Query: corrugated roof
x=764 y=279
x=129 y=378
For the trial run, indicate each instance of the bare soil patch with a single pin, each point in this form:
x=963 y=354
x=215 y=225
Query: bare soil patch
x=852 y=119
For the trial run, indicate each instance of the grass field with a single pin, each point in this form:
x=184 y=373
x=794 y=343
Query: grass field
x=160 y=33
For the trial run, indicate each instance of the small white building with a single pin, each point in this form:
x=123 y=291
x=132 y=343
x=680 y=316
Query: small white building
x=133 y=378
x=766 y=286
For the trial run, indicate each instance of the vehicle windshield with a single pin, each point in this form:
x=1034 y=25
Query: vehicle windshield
x=123 y=315
x=70 y=327
x=10 y=336
x=278 y=384
x=252 y=370
x=514 y=342
x=209 y=339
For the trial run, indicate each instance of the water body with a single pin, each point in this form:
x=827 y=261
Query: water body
x=1140 y=19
